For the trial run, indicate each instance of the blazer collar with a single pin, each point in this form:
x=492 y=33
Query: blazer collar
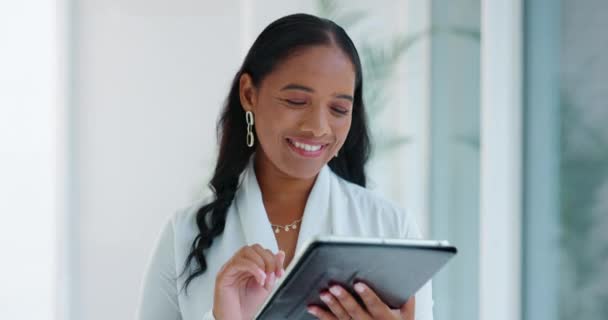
x=254 y=219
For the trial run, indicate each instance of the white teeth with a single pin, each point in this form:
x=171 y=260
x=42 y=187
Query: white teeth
x=306 y=147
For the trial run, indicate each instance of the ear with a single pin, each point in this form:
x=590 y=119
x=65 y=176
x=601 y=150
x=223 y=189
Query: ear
x=247 y=93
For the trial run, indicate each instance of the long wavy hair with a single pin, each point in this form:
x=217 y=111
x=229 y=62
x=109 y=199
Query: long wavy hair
x=280 y=39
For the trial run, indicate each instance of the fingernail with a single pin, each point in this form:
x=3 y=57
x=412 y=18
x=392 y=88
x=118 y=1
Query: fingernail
x=272 y=279
x=281 y=252
x=325 y=298
x=312 y=311
x=281 y=272
x=335 y=290
x=359 y=287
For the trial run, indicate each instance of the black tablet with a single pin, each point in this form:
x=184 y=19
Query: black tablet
x=394 y=268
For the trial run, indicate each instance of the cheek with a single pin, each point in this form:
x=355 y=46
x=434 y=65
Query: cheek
x=341 y=128
x=271 y=121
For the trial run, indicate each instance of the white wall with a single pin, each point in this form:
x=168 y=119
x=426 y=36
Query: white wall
x=150 y=78
x=149 y=81
x=30 y=113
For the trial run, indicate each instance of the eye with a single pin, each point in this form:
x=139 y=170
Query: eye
x=340 y=110
x=295 y=102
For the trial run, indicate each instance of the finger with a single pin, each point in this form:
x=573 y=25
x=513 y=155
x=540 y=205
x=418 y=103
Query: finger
x=270 y=281
x=268 y=257
x=253 y=255
x=375 y=306
x=349 y=303
x=243 y=265
x=408 y=309
x=280 y=259
x=269 y=261
x=320 y=313
x=275 y=266
x=334 y=305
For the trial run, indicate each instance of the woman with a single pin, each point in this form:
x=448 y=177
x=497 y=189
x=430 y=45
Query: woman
x=294 y=142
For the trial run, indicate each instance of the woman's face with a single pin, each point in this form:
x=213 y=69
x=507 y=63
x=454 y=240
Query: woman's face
x=302 y=110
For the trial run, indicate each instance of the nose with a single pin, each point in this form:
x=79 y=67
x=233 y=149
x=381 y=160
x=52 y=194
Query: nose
x=316 y=121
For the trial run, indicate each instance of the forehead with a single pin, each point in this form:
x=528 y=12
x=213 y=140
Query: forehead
x=320 y=67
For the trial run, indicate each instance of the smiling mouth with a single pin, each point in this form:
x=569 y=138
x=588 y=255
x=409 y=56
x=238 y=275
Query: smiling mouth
x=307 y=150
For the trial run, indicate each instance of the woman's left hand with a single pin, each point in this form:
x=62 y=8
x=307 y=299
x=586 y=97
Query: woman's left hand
x=343 y=306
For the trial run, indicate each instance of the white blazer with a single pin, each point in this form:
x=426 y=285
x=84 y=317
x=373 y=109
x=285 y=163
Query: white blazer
x=335 y=206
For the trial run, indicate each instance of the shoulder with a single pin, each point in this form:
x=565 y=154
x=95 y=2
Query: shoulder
x=184 y=220
x=367 y=198
x=377 y=209
x=187 y=213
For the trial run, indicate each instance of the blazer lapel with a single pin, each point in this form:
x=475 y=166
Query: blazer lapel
x=316 y=216
x=254 y=219
x=251 y=211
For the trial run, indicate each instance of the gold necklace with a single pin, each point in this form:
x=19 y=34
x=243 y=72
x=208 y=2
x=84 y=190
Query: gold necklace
x=292 y=226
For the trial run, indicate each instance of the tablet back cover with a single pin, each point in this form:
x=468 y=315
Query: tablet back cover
x=394 y=272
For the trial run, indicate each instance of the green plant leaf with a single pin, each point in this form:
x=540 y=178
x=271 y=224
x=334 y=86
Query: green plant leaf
x=380 y=61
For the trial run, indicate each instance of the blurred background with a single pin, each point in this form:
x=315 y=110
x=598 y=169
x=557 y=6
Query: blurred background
x=488 y=117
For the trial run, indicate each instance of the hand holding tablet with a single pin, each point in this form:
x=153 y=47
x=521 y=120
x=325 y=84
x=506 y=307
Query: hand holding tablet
x=393 y=269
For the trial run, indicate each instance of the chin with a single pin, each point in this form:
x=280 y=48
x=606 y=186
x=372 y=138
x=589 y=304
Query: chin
x=300 y=169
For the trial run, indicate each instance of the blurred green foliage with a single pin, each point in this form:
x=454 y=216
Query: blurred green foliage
x=380 y=60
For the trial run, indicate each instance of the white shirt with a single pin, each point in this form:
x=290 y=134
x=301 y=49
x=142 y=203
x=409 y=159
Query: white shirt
x=334 y=206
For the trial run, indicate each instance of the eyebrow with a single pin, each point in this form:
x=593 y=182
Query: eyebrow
x=293 y=86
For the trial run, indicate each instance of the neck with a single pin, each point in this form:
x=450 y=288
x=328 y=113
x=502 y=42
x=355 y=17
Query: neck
x=281 y=191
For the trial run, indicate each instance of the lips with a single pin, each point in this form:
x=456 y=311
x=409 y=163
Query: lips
x=307 y=148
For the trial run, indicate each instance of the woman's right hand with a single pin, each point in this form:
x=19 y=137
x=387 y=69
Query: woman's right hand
x=244 y=282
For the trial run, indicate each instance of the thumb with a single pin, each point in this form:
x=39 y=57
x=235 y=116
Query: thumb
x=408 y=309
